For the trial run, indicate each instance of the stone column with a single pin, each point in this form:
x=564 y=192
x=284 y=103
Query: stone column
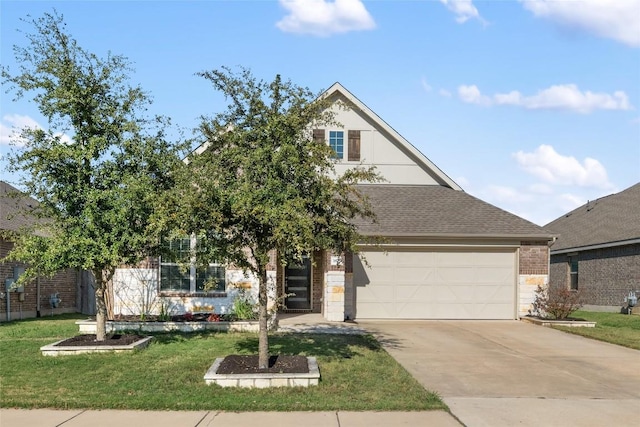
x=334 y=279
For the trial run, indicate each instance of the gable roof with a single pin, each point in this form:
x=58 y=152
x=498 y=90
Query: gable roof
x=14 y=206
x=418 y=156
x=611 y=220
x=437 y=211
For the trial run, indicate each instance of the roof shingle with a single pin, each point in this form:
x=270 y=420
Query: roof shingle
x=433 y=210
x=612 y=218
x=14 y=208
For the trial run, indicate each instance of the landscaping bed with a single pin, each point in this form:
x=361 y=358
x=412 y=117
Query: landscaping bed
x=248 y=364
x=181 y=323
x=570 y=322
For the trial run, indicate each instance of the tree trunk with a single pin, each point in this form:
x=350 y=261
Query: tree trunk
x=263 y=337
x=101 y=307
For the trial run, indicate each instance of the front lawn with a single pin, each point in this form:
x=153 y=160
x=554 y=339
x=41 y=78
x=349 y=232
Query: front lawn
x=615 y=328
x=357 y=374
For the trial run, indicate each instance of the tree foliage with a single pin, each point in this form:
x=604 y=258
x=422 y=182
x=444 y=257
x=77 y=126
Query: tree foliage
x=98 y=186
x=259 y=182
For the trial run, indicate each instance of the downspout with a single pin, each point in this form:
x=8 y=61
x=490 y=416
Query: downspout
x=38 y=296
x=8 y=305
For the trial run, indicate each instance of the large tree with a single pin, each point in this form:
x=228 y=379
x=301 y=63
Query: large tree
x=260 y=182
x=98 y=168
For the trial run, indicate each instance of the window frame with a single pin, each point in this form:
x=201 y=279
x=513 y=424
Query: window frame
x=573 y=272
x=338 y=141
x=193 y=272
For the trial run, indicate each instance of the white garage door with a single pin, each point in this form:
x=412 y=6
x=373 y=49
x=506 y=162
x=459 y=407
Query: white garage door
x=439 y=284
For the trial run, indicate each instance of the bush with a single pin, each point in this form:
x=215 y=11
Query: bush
x=243 y=307
x=556 y=303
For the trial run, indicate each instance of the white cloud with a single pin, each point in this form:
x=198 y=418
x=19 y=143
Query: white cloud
x=463 y=9
x=558 y=97
x=425 y=85
x=553 y=168
x=445 y=93
x=11 y=126
x=471 y=95
x=615 y=19
x=323 y=18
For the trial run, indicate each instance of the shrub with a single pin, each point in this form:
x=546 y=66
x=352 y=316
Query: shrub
x=243 y=307
x=556 y=303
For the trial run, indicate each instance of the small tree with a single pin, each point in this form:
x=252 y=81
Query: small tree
x=260 y=182
x=97 y=190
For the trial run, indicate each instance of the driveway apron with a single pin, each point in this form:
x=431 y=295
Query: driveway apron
x=503 y=373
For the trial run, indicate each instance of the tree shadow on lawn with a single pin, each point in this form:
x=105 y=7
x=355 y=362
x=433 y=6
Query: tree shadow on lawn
x=332 y=346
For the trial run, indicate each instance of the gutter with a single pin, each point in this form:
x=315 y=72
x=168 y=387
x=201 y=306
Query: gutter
x=548 y=237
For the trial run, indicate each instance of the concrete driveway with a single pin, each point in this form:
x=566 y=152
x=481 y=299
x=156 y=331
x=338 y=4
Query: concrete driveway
x=507 y=373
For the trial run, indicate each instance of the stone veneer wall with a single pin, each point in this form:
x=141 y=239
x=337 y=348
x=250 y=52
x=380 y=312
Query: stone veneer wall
x=533 y=271
x=64 y=283
x=605 y=275
x=334 y=294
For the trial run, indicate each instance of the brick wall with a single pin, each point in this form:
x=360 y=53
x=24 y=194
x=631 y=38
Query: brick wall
x=63 y=283
x=605 y=276
x=534 y=258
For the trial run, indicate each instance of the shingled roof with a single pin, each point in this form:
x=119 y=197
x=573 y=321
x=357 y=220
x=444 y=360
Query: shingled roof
x=438 y=211
x=611 y=219
x=14 y=208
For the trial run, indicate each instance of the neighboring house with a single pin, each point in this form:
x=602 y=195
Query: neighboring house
x=598 y=249
x=34 y=299
x=447 y=255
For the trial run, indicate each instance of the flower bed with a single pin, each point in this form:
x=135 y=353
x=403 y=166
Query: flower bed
x=571 y=323
x=89 y=326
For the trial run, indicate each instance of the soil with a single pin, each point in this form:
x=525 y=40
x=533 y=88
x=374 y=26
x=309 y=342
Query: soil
x=280 y=364
x=90 y=340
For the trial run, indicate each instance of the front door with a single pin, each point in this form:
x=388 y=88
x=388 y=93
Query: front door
x=297 y=285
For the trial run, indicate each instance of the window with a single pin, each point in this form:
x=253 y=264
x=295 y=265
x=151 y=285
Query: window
x=336 y=142
x=353 y=154
x=573 y=273
x=180 y=273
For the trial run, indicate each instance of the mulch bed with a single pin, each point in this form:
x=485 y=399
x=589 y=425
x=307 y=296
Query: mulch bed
x=90 y=340
x=279 y=364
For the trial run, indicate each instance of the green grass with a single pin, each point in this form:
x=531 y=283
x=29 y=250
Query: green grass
x=356 y=373
x=615 y=328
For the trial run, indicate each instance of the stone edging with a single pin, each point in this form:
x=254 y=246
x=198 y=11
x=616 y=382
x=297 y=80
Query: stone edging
x=566 y=323
x=263 y=380
x=89 y=326
x=57 y=350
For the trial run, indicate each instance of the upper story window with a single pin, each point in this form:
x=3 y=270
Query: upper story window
x=573 y=273
x=180 y=272
x=336 y=142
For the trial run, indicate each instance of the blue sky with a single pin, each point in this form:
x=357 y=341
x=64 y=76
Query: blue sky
x=533 y=106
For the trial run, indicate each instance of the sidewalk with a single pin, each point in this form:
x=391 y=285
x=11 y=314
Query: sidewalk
x=110 y=418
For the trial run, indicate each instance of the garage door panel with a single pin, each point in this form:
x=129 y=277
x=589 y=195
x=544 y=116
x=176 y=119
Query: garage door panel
x=438 y=284
x=408 y=293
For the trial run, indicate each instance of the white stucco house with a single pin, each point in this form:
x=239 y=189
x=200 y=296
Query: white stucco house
x=447 y=254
